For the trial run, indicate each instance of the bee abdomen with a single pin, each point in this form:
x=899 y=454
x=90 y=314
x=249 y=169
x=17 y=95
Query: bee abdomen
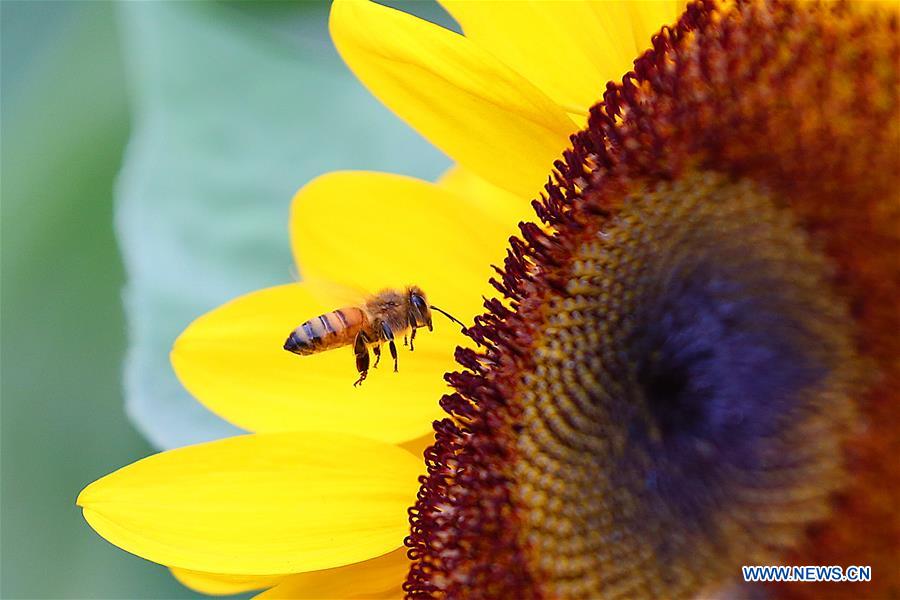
x=331 y=330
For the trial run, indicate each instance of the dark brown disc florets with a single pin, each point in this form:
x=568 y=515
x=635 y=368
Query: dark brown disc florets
x=672 y=388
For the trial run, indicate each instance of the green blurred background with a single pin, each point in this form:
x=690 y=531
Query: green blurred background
x=65 y=124
x=225 y=109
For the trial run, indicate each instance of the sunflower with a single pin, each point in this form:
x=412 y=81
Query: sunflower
x=693 y=363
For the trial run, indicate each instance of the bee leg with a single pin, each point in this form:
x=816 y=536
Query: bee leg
x=393 y=348
x=412 y=336
x=362 y=356
x=404 y=341
x=377 y=351
x=362 y=377
x=389 y=336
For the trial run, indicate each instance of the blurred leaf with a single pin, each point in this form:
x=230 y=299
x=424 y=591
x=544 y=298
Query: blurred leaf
x=236 y=107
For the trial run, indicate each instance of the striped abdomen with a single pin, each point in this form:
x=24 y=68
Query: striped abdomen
x=331 y=330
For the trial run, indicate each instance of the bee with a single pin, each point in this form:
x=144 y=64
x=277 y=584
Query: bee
x=380 y=319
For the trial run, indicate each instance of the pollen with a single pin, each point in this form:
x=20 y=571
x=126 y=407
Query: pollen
x=694 y=364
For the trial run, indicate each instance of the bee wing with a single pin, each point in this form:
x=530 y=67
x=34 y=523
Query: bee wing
x=334 y=294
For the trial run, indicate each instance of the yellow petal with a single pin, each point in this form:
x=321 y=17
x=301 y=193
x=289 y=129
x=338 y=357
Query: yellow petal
x=648 y=16
x=376 y=578
x=376 y=230
x=568 y=49
x=501 y=205
x=232 y=360
x=469 y=104
x=259 y=504
x=418 y=446
x=561 y=47
x=216 y=584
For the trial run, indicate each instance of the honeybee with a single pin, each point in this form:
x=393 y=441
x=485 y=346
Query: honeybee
x=382 y=317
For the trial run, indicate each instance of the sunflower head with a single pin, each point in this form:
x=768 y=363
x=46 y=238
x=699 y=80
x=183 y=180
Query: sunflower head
x=674 y=385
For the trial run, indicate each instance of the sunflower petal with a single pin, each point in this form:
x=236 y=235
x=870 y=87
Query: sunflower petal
x=561 y=47
x=502 y=205
x=649 y=16
x=375 y=578
x=259 y=504
x=480 y=112
x=582 y=45
x=418 y=446
x=217 y=584
x=413 y=232
x=232 y=360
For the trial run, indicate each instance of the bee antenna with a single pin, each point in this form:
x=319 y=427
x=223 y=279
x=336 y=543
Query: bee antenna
x=465 y=329
x=451 y=317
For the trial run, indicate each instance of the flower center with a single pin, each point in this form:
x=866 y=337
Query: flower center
x=694 y=344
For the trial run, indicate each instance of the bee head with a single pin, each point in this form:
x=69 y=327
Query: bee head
x=419 y=313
